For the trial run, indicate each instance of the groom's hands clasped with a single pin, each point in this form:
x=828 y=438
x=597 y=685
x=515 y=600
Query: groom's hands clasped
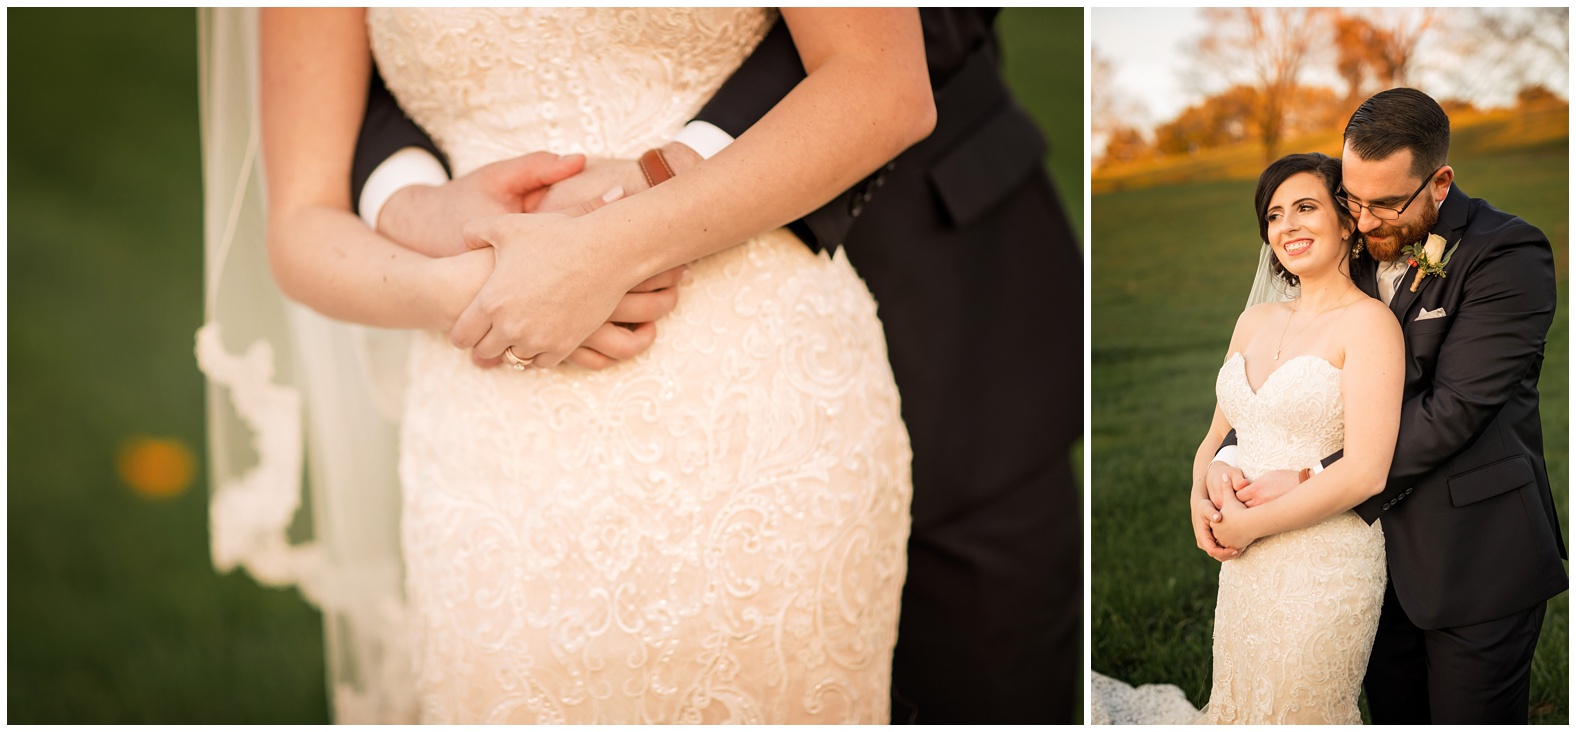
x=1222 y=477
x=431 y=219
x=1267 y=487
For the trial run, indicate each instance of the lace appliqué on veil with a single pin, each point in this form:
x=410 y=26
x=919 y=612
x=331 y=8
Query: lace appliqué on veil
x=250 y=514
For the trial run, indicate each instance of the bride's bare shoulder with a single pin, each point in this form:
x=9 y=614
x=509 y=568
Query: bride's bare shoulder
x=1250 y=321
x=1373 y=312
x=1255 y=317
x=1369 y=318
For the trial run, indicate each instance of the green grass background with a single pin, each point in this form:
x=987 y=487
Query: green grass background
x=1171 y=267
x=114 y=612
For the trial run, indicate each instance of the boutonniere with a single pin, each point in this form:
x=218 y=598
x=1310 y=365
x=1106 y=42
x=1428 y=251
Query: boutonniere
x=1429 y=257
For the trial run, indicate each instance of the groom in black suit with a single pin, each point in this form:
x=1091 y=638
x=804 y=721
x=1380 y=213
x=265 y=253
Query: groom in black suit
x=965 y=246
x=1471 y=535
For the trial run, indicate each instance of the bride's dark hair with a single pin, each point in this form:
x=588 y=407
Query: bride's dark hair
x=1270 y=180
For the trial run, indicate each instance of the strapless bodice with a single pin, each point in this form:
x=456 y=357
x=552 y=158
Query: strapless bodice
x=492 y=83
x=1294 y=420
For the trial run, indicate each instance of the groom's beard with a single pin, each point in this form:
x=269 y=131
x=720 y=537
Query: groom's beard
x=1385 y=243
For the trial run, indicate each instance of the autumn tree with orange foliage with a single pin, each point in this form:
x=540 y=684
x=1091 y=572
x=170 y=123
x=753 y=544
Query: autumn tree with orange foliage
x=1263 y=52
x=1263 y=49
x=1221 y=119
x=1231 y=116
x=1377 y=49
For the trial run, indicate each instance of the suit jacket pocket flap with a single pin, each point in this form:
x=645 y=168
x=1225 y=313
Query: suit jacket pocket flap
x=1418 y=328
x=992 y=162
x=1489 y=481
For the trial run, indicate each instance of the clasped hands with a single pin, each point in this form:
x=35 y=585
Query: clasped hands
x=1222 y=525
x=519 y=271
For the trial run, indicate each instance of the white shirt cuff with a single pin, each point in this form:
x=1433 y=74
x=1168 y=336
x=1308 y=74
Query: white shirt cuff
x=1227 y=455
x=410 y=166
x=704 y=138
x=1317 y=469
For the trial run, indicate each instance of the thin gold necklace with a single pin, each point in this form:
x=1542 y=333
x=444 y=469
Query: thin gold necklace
x=1311 y=321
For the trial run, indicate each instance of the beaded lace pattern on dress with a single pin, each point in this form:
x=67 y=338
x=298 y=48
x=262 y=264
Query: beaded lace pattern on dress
x=714 y=531
x=1296 y=613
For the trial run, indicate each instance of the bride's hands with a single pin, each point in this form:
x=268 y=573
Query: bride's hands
x=1235 y=528
x=456 y=280
x=1204 y=515
x=549 y=290
x=630 y=330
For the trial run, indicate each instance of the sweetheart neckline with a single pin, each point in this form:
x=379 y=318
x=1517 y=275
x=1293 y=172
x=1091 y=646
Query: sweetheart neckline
x=1255 y=392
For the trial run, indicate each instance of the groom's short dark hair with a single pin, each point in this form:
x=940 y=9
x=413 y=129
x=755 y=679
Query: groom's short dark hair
x=1398 y=119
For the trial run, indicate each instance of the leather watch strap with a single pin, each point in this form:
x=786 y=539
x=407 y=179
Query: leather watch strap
x=655 y=167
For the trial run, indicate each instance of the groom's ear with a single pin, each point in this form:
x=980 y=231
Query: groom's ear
x=1441 y=183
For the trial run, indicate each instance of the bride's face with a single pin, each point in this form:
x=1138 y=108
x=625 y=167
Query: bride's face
x=1304 y=228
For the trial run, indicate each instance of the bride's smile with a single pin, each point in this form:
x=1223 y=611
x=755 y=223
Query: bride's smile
x=1296 y=247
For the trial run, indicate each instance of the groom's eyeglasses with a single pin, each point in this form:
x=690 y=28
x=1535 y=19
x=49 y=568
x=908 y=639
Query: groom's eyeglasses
x=1383 y=213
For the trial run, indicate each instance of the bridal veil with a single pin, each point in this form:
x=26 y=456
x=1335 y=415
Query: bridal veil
x=302 y=411
x=1268 y=286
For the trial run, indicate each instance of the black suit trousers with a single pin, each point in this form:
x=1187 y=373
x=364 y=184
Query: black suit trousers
x=1474 y=674
x=984 y=328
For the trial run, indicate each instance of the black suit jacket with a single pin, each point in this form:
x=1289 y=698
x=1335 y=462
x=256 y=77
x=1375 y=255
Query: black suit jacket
x=1469 y=520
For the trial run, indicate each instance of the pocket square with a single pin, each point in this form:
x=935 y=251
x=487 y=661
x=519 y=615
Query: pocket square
x=1430 y=314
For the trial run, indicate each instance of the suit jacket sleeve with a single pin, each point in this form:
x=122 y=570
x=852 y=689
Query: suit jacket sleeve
x=385 y=130
x=1494 y=343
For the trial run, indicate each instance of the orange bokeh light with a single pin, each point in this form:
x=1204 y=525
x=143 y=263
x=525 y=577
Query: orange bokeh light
x=155 y=467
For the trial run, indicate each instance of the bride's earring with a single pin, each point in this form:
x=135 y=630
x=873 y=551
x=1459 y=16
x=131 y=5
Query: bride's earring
x=1357 y=246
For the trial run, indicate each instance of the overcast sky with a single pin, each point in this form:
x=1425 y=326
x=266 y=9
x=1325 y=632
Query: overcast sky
x=1147 y=47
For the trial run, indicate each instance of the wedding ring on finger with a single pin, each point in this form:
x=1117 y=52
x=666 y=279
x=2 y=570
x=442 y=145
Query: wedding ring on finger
x=518 y=363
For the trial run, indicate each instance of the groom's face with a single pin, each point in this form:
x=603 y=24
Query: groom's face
x=1389 y=182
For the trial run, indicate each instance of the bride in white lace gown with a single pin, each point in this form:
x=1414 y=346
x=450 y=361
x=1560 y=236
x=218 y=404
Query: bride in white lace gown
x=1298 y=605
x=712 y=532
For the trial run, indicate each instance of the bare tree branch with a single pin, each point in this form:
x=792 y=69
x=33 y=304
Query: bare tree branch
x=1265 y=49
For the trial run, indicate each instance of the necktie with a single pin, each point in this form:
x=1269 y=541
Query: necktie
x=1390 y=274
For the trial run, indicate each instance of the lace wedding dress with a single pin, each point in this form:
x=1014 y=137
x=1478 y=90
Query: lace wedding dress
x=712 y=532
x=1296 y=613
